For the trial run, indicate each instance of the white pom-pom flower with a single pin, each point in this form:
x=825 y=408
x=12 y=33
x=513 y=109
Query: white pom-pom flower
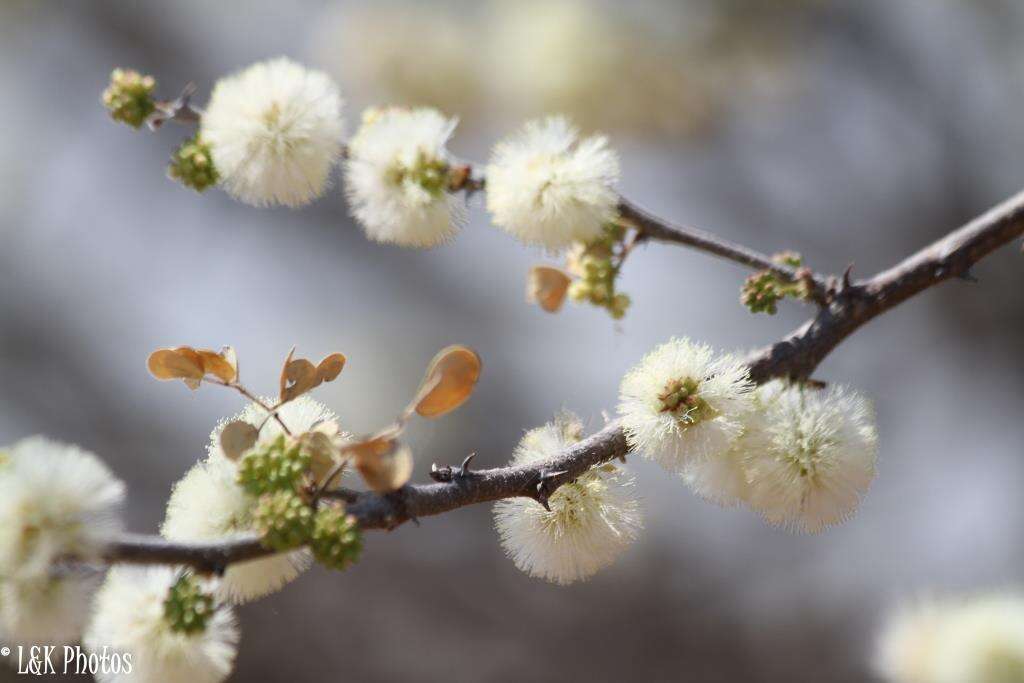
x=396 y=177
x=816 y=457
x=55 y=500
x=547 y=187
x=129 y=618
x=274 y=130
x=683 y=404
x=50 y=610
x=208 y=503
x=976 y=640
x=592 y=520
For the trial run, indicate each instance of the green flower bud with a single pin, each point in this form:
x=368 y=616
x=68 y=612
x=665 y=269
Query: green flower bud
x=283 y=520
x=187 y=608
x=337 y=541
x=129 y=97
x=192 y=165
x=277 y=465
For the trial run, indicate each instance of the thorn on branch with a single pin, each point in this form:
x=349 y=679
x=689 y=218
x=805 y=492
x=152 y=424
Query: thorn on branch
x=545 y=486
x=447 y=473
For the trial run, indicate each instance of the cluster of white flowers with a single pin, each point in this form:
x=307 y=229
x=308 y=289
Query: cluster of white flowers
x=275 y=131
x=801 y=457
x=975 y=640
x=56 y=501
x=591 y=520
x=130 y=618
x=397 y=177
x=208 y=504
x=548 y=187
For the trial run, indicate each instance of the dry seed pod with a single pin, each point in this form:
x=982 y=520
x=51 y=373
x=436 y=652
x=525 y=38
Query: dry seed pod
x=449 y=381
x=385 y=466
x=300 y=375
x=237 y=438
x=190 y=365
x=323 y=455
x=547 y=287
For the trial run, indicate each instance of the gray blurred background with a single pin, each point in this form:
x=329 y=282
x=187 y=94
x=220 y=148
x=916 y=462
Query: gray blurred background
x=849 y=131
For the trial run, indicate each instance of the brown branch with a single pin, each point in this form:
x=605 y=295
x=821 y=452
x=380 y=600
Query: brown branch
x=655 y=228
x=797 y=356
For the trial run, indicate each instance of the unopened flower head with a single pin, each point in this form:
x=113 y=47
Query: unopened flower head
x=131 y=617
x=209 y=504
x=592 y=520
x=547 y=187
x=274 y=130
x=684 y=403
x=55 y=500
x=816 y=456
x=978 y=639
x=50 y=610
x=396 y=177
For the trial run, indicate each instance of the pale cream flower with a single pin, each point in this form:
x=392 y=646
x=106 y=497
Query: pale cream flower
x=683 y=406
x=274 y=130
x=396 y=177
x=129 y=618
x=592 y=520
x=55 y=500
x=816 y=457
x=548 y=187
x=51 y=610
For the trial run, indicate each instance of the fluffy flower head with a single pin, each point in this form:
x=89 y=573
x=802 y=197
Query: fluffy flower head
x=980 y=640
x=130 y=617
x=816 y=456
x=396 y=177
x=547 y=187
x=208 y=503
x=274 y=130
x=591 y=522
x=683 y=404
x=51 y=610
x=55 y=499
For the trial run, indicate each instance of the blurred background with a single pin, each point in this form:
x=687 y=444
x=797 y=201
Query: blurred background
x=853 y=132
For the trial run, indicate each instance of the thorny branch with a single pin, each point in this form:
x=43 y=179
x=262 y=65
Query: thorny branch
x=850 y=305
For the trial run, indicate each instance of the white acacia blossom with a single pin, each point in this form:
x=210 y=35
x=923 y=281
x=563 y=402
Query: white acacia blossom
x=547 y=187
x=816 y=456
x=975 y=640
x=55 y=499
x=129 y=617
x=208 y=503
x=274 y=130
x=591 y=522
x=685 y=407
x=50 y=610
x=396 y=177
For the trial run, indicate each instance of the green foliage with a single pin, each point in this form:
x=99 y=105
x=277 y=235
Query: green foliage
x=283 y=520
x=763 y=290
x=597 y=264
x=187 y=608
x=337 y=541
x=192 y=165
x=277 y=465
x=129 y=97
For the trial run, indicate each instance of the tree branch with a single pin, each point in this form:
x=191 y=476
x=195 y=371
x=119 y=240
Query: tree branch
x=852 y=305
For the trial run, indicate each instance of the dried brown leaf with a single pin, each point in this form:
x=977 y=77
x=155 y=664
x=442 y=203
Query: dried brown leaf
x=547 y=287
x=330 y=367
x=168 y=364
x=449 y=381
x=387 y=470
x=217 y=365
x=300 y=375
x=237 y=438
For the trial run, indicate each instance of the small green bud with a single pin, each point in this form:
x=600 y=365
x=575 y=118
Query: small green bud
x=277 y=465
x=129 y=97
x=579 y=290
x=283 y=520
x=682 y=398
x=192 y=165
x=761 y=293
x=187 y=608
x=337 y=541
